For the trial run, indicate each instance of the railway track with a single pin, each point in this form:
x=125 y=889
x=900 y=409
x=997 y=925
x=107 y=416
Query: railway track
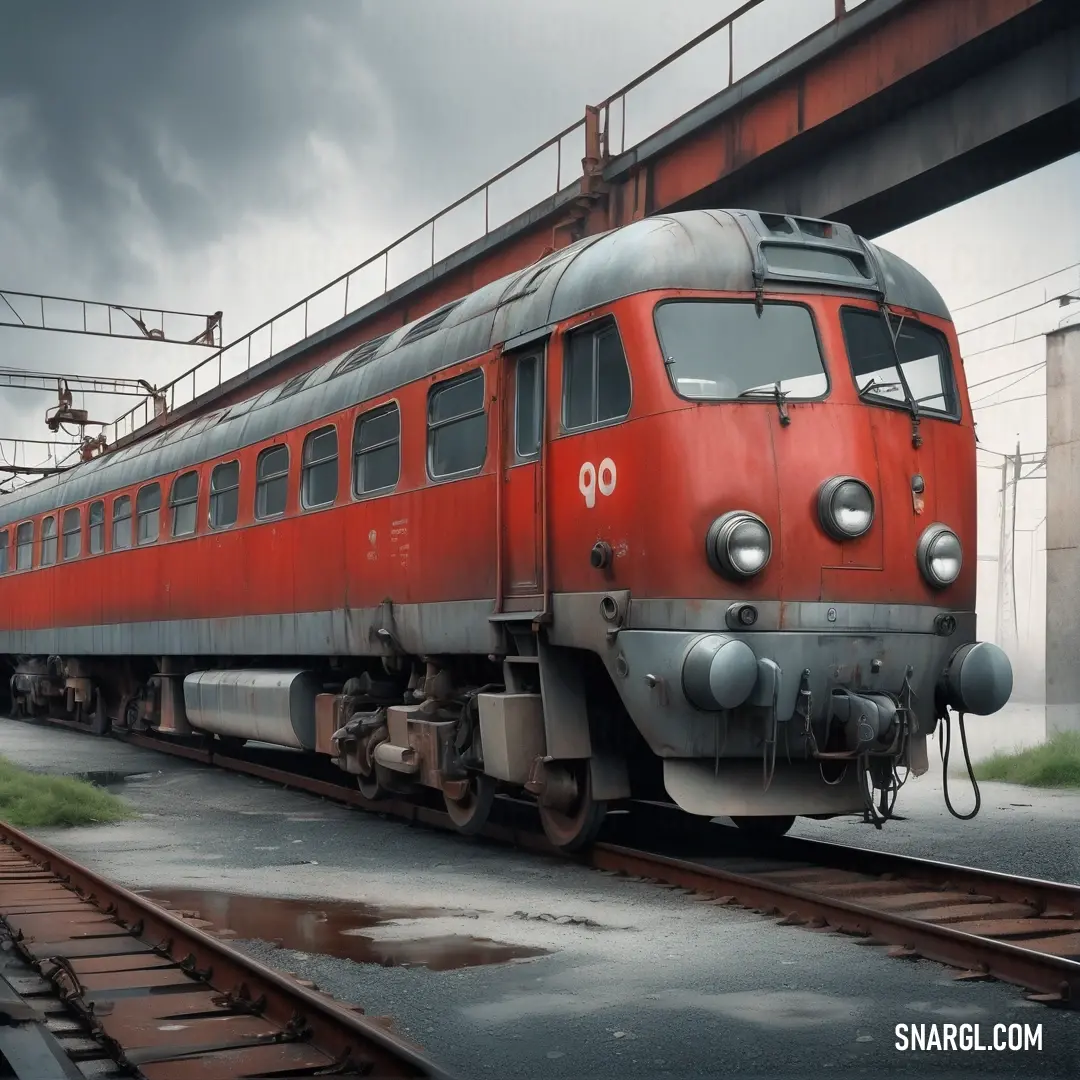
x=104 y=982
x=983 y=924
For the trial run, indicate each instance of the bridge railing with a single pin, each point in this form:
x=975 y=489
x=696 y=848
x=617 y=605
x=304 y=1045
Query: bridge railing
x=724 y=54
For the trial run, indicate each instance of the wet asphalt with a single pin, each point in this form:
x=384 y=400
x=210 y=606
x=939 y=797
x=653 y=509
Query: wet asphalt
x=506 y=964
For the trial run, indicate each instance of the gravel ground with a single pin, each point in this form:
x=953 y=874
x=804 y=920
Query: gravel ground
x=635 y=981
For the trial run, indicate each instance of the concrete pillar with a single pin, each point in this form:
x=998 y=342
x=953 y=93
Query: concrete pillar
x=1063 y=530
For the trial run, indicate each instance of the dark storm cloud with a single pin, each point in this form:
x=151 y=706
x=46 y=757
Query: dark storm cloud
x=182 y=116
x=191 y=112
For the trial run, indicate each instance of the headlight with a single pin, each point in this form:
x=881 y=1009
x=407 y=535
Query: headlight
x=940 y=555
x=738 y=544
x=845 y=507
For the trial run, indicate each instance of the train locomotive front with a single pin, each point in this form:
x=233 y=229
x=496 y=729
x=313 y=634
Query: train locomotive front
x=683 y=512
x=799 y=513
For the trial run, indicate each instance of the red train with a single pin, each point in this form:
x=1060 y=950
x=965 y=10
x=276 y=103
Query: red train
x=684 y=512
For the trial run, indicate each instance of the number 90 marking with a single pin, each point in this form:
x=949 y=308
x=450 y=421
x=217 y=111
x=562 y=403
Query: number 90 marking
x=590 y=478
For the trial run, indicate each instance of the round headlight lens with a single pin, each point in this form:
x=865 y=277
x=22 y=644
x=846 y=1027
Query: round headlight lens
x=845 y=507
x=739 y=544
x=748 y=546
x=940 y=555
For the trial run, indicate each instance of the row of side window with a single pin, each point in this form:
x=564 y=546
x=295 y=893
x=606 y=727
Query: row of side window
x=596 y=390
x=376 y=457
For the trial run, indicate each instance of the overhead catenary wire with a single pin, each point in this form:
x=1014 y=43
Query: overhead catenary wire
x=1005 y=375
x=1009 y=401
x=1012 y=315
x=1021 y=378
x=1016 y=288
x=1005 y=344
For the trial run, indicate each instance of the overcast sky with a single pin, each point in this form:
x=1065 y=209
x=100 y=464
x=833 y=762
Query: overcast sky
x=236 y=155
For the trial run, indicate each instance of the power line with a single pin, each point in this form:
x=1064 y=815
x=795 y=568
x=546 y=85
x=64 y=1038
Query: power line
x=1015 y=288
x=1005 y=375
x=1005 y=345
x=1012 y=314
x=1009 y=401
x=999 y=390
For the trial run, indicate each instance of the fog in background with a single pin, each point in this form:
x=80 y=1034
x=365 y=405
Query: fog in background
x=235 y=156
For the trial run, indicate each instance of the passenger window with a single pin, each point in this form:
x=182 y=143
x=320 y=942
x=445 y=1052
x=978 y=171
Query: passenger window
x=185 y=502
x=121 y=523
x=528 y=407
x=271 y=482
x=148 y=512
x=4 y=552
x=596 y=380
x=96 y=527
x=24 y=546
x=48 y=541
x=377 y=450
x=457 y=426
x=72 y=533
x=320 y=478
x=224 y=494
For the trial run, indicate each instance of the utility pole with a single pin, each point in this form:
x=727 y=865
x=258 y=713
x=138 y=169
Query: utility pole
x=1003 y=560
x=1007 y=629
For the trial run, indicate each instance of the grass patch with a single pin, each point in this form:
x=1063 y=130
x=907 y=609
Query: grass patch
x=1054 y=764
x=30 y=800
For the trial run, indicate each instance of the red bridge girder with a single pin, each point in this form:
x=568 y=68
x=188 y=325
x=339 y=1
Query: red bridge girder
x=854 y=71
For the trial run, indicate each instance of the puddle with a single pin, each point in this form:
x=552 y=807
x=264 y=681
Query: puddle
x=109 y=777
x=335 y=928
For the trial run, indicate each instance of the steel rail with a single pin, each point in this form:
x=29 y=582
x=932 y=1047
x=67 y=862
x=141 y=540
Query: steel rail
x=1044 y=896
x=1053 y=979
x=305 y=1019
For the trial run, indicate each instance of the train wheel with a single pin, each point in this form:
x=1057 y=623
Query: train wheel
x=576 y=822
x=370 y=787
x=99 y=718
x=768 y=828
x=470 y=813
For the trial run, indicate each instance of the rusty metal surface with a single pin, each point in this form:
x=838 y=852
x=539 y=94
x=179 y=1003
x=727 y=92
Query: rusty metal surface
x=853 y=59
x=164 y=998
x=38 y=1040
x=1036 y=947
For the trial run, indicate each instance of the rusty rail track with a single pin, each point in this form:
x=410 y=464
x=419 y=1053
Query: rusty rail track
x=988 y=925
x=160 y=997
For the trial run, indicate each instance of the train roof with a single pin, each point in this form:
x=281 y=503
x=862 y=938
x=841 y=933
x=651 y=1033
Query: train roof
x=735 y=250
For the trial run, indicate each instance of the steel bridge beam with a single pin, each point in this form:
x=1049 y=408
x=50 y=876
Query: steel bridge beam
x=889 y=112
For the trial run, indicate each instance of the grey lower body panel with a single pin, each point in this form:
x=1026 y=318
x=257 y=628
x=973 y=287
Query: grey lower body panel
x=738 y=789
x=449 y=627
x=647 y=668
x=452 y=626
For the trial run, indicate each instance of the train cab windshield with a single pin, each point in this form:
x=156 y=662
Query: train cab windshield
x=875 y=346
x=724 y=350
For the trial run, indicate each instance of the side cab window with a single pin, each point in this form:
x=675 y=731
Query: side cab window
x=596 y=378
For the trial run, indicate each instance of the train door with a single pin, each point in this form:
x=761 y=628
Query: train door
x=522 y=532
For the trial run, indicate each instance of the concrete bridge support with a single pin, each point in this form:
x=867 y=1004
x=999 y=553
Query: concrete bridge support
x=1063 y=530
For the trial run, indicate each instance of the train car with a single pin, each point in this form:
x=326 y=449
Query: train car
x=683 y=512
